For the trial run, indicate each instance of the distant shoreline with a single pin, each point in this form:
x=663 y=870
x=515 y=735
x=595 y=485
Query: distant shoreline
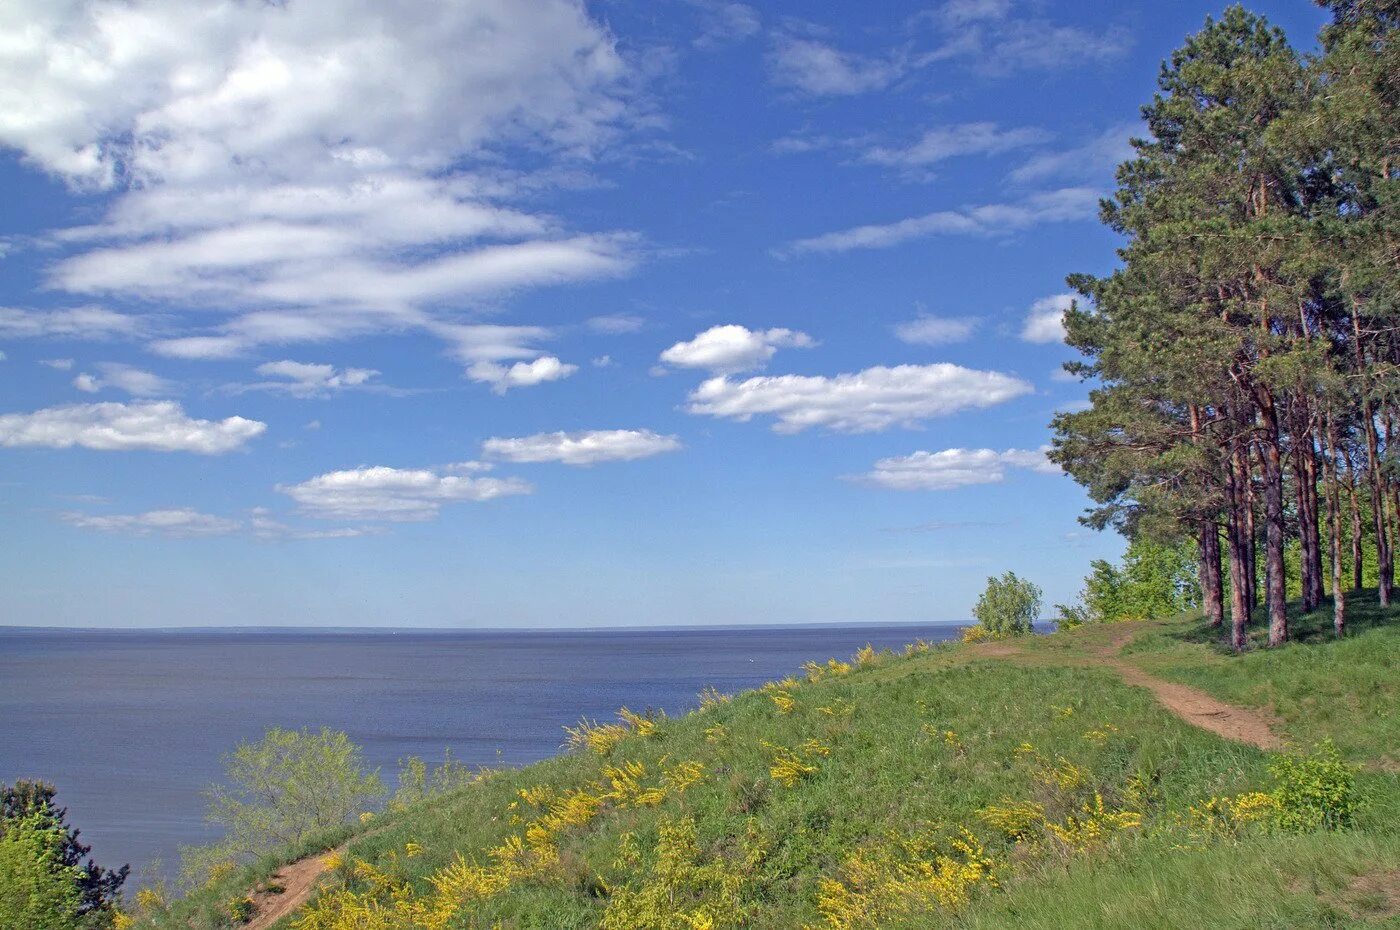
x=444 y=630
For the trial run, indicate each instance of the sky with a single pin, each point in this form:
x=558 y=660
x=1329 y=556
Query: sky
x=537 y=313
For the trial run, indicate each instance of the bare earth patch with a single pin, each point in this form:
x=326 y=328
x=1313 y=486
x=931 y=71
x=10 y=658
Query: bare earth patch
x=297 y=880
x=1241 y=724
x=1375 y=895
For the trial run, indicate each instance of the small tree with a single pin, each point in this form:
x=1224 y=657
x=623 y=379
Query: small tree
x=1009 y=606
x=28 y=806
x=286 y=787
x=37 y=890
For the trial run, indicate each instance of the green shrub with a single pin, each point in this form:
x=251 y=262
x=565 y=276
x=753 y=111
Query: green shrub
x=1009 y=606
x=37 y=890
x=1314 y=792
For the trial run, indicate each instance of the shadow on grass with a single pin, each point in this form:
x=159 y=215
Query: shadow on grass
x=1363 y=612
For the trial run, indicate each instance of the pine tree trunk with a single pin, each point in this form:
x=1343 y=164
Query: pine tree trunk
x=1246 y=479
x=1334 y=529
x=1378 y=508
x=1212 y=585
x=1275 y=594
x=1236 y=551
x=1357 y=565
x=1373 y=468
x=1311 y=526
x=1305 y=480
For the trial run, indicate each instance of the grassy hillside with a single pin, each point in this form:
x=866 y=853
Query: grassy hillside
x=949 y=787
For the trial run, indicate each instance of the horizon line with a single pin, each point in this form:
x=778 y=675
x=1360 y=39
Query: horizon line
x=255 y=628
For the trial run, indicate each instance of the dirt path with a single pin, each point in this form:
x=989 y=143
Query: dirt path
x=297 y=880
x=1196 y=707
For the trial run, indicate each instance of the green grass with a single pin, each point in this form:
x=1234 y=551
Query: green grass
x=1260 y=884
x=894 y=772
x=1319 y=686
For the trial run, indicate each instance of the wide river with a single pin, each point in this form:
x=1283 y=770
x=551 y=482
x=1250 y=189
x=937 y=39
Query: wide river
x=131 y=725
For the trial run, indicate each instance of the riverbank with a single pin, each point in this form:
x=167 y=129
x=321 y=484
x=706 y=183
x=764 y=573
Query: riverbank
x=1039 y=783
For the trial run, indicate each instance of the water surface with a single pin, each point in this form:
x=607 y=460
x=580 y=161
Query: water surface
x=131 y=725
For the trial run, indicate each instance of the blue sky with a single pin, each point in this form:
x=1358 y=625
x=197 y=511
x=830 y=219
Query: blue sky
x=499 y=314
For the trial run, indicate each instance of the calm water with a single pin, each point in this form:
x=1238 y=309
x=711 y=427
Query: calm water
x=131 y=725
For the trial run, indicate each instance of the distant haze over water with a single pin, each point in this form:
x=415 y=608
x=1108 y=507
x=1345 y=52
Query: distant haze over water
x=131 y=725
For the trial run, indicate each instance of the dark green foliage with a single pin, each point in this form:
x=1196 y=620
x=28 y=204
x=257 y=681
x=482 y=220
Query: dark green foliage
x=98 y=888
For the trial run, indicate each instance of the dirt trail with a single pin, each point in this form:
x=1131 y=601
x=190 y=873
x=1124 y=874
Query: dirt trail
x=1196 y=707
x=297 y=880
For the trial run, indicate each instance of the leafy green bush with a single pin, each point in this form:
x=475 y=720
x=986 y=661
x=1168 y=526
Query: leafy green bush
x=37 y=890
x=1314 y=792
x=1009 y=606
x=283 y=789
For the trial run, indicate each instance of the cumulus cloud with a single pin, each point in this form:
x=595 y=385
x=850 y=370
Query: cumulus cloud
x=859 y=402
x=165 y=89
x=935 y=330
x=180 y=523
x=393 y=494
x=307 y=379
x=1046 y=320
x=58 y=364
x=1058 y=206
x=94 y=323
x=134 y=381
x=733 y=348
x=820 y=70
x=955 y=468
x=583 y=448
x=159 y=426
x=945 y=142
x=265 y=170
x=521 y=374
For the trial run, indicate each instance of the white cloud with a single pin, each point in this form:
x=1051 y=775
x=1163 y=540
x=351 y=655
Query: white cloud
x=1063 y=205
x=521 y=374
x=188 y=523
x=585 y=448
x=262 y=525
x=616 y=323
x=160 y=426
x=181 y=523
x=267 y=173
x=394 y=494
x=821 y=70
x=962 y=12
x=58 y=364
x=725 y=22
x=602 y=361
x=3 y=356
x=864 y=401
x=733 y=348
x=134 y=381
x=947 y=142
x=935 y=330
x=1046 y=320
x=1093 y=160
x=955 y=468
x=162 y=89
x=991 y=38
x=76 y=323
x=307 y=379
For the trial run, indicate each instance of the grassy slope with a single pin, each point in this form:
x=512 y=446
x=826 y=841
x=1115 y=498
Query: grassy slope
x=893 y=771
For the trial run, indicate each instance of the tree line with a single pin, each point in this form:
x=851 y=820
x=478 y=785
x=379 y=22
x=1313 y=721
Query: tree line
x=1245 y=351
